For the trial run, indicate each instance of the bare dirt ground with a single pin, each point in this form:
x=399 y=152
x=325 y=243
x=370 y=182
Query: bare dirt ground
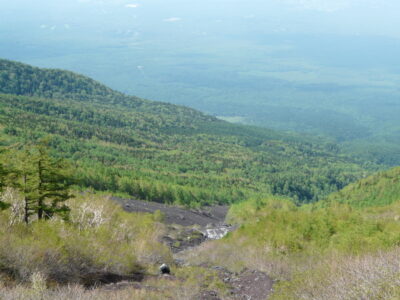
x=249 y=284
x=187 y=229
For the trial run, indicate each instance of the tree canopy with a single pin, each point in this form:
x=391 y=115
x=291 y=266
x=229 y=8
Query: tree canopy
x=162 y=152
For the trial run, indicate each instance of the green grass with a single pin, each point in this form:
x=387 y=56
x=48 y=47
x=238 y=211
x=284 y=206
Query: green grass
x=289 y=229
x=379 y=189
x=313 y=251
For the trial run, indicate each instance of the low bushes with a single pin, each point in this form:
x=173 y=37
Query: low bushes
x=287 y=229
x=188 y=284
x=371 y=276
x=100 y=240
x=311 y=251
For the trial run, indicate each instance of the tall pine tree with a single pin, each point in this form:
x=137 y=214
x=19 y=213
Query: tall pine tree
x=43 y=181
x=3 y=177
x=25 y=179
x=53 y=182
x=3 y=174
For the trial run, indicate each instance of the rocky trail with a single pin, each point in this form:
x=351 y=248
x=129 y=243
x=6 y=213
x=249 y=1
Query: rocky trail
x=188 y=229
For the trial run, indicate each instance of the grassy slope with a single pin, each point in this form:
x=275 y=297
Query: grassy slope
x=332 y=252
x=326 y=250
x=379 y=189
x=158 y=151
x=55 y=259
x=91 y=242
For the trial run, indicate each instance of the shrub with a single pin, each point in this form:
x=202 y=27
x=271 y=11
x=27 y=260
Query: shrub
x=371 y=276
x=99 y=239
x=282 y=239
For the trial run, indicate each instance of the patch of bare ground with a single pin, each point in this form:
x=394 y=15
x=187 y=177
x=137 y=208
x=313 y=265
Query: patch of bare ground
x=212 y=215
x=187 y=229
x=246 y=285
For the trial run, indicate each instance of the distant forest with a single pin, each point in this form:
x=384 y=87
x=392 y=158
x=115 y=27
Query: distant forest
x=162 y=152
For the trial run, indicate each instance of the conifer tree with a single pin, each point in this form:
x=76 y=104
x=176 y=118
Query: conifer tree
x=3 y=178
x=27 y=182
x=20 y=175
x=43 y=181
x=53 y=182
x=3 y=174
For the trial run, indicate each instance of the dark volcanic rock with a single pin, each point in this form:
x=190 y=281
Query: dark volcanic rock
x=176 y=215
x=184 y=239
x=103 y=278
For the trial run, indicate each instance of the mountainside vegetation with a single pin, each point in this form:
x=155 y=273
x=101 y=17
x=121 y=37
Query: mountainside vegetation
x=99 y=244
x=379 y=189
x=43 y=181
x=60 y=130
x=313 y=252
x=344 y=247
x=72 y=251
x=199 y=150
x=162 y=152
x=342 y=85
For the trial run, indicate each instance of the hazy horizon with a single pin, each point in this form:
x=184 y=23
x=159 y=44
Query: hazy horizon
x=303 y=65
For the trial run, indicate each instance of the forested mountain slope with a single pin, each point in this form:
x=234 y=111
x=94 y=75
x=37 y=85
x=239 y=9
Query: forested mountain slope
x=21 y=79
x=379 y=189
x=158 y=151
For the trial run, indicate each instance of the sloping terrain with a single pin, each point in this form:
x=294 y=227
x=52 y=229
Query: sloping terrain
x=162 y=152
x=379 y=189
x=313 y=252
x=214 y=215
x=192 y=232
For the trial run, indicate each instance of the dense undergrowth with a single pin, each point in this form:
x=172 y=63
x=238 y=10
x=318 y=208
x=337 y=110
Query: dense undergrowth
x=187 y=283
x=99 y=239
x=380 y=189
x=289 y=229
x=100 y=243
x=313 y=251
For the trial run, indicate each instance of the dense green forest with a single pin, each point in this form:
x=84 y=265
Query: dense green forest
x=163 y=152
